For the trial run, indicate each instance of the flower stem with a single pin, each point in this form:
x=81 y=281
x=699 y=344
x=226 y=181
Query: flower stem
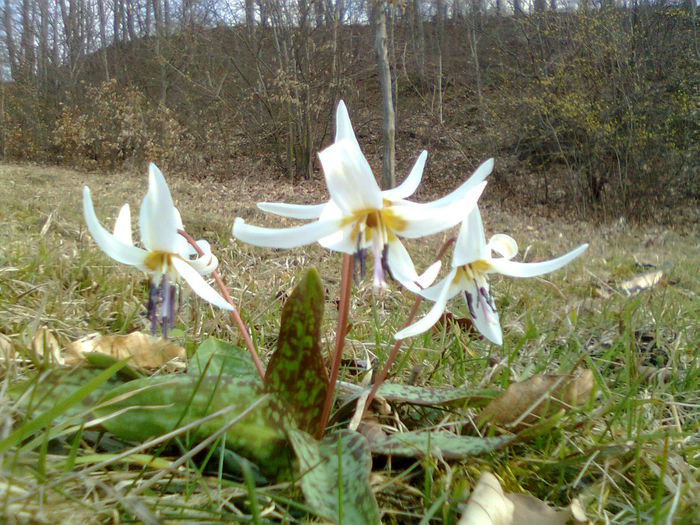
x=395 y=350
x=343 y=307
x=234 y=313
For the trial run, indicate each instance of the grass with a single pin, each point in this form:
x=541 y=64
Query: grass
x=630 y=453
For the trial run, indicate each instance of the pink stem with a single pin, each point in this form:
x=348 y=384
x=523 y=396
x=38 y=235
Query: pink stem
x=343 y=307
x=234 y=314
x=395 y=350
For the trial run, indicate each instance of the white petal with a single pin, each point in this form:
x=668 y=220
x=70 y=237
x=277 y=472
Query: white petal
x=198 y=284
x=116 y=249
x=419 y=220
x=484 y=316
x=429 y=275
x=293 y=211
x=401 y=266
x=408 y=186
x=283 y=237
x=204 y=264
x=433 y=292
x=122 y=227
x=477 y=178
x=349 y=177
x=519 y=269
x=159 y=218
x=504 y=245
x=471 y=241
x=433 y=315
x=343 y=126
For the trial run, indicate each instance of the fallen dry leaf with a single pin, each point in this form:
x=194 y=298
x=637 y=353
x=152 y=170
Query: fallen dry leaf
x=145 y=351
x=489 y=505
x=46 y=347
x=641 y=282
x=524 y=403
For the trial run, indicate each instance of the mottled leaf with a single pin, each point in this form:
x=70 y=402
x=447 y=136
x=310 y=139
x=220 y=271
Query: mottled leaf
x=450 y=446
x=153 y=406
x=42 y=392
x=419 y=395
x=335 y=476
x=215 y=356
x=296 y=373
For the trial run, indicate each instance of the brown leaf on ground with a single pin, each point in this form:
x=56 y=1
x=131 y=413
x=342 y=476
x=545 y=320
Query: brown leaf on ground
x=489 y=505
x=641 y=282
x=46 y=347
x=524 y=403
x=143 y=350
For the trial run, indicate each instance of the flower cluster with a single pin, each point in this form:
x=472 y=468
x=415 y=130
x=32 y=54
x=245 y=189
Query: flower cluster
x=358 y=219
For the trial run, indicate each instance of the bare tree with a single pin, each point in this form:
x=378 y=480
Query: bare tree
x=10 y=39
x=389 y=127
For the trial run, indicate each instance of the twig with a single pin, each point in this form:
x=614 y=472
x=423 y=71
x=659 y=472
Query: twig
x=234 y=313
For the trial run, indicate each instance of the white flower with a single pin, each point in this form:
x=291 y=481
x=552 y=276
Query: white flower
x=359 y=216
x=165 y=254
x=472 y=261
x=204 y=264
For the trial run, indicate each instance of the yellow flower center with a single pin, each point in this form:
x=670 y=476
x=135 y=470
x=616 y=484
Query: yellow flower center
x=159 y=262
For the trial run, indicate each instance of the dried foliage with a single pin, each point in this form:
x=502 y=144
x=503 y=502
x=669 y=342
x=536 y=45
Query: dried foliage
x=114 y=125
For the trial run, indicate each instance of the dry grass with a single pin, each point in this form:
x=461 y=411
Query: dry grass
x=631 y=454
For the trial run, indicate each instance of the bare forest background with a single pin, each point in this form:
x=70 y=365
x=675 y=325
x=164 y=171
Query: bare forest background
x=590 y=108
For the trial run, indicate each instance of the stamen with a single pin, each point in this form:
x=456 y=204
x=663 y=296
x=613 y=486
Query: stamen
x=470 y=304
x=171 y=306
x=385 y=265
x=164 y=319
x=152 y=305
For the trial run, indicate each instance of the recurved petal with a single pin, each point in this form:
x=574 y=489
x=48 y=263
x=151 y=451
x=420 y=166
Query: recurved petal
x=158 y=219
x=408 y=186
x=504 y=245
x=472 y=182
x=111 y=245
x=433 y=315
x=519 y=269
x=205 y=264
x=349 y=177
x=122 y=226
x=471 y=241
x=293 y=211
x=283 y=237
x=198 y=284
x=419 y=220
x=483 y=313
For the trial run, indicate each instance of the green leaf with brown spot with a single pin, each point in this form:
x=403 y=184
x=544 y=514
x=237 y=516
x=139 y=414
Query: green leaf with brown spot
x=335 y=476
x=450 y=446
x=153 y=406
x=296 y=373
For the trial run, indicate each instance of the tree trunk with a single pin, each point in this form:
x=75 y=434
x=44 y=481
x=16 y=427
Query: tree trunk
x=250 y=19
x=27 y=41
x=389 y=151
x=10 y=40
x=517 y=8
x=418 y=41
